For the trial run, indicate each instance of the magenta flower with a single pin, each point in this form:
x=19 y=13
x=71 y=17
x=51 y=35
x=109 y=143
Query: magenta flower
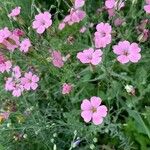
x=29 y=81
x=103 y=35
x=92 y=110
x=5 y=115
x=127 y=52
x=42 y=22
x=25 y=45
x=4 y=34
x=18 y=32
x=67 y=88
x=147 y=7
x=57 y=59
x=89 y=56
x=14 y=13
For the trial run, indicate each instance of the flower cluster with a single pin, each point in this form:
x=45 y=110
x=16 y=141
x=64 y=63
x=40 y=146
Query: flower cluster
x=18 y=83
x=11 y=40
x=112 y=5
x=76 y=15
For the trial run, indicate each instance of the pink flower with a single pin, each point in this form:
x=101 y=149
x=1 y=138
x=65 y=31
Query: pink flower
x=25 y=45
x=18 y=32
x=4 y=64
x=4 y=34
x=15 y=12
x=57 y=59
x=12 y=42
x=42 y=22
x=61 y=26
x=29 y=81
x=147 y=7
x=16 y=72
x=89 y=56
x=127 y=52
x=67 y=88
x=83 y=29
x=75 y=16
x=110 y=4
x=5 y=115
x=103 y=35
x=14 y=85
x=118 y=22
x=93 y=110
x=79 y=4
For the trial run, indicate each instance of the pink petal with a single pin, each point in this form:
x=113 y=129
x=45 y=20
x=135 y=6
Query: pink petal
x=96 y=60
x=95 y=101
x=135 y=57
x=102 y=110
x=123 y=59
x=34 y=86
x=86 y=105
x=97 y=119
x=40 y=29
x=147 y=8
x=36 y=24
x=86 y=115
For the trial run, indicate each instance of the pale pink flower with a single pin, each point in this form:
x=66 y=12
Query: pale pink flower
x=15 y=12
x=92 y=110
x=147 y=7
x=83 y=29
x=5 y=115
x=79 y=3
x=14 y=85
x=4 y=34
x=61 y=26
x=5 y=66
x=127 y=52
x=118 y=22
x=75 y=16
x=66 y=88
x=110 y=4
x=16 y=72
x=18 y=32
x=29 y=81
x=57 y=59
x=25 y=45
x=42 y=22
x=103 y=35
x=90 y=56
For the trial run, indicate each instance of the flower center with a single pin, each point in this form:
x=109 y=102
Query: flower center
x=126 y=53
x=94 y=110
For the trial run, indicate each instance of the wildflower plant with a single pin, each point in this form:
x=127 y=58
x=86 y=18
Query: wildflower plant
x=74 y=74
